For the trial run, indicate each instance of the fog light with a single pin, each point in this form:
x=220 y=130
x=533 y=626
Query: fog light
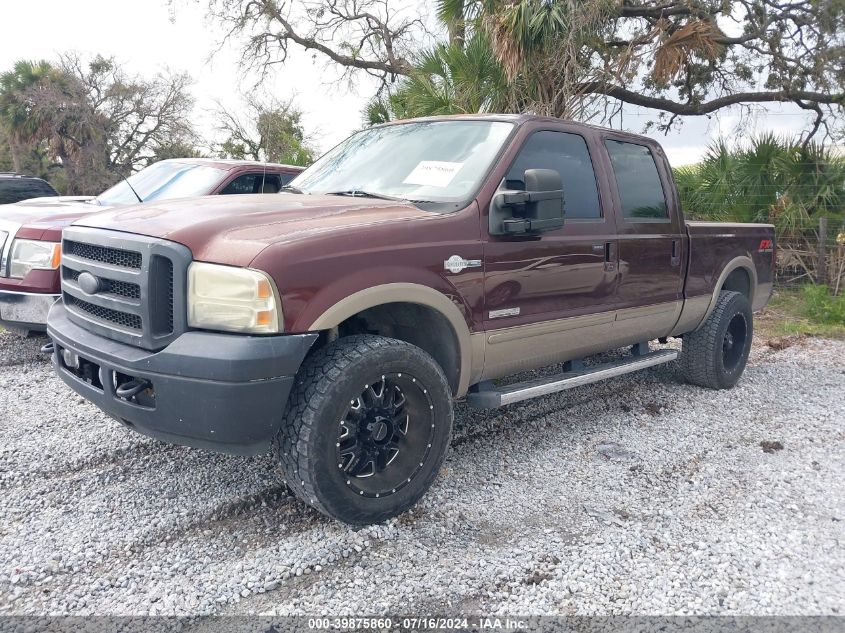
x=70 y=359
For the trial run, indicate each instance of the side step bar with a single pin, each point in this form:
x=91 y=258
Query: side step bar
x=497 y=397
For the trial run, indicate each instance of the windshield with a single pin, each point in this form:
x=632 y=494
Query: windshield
x=423 y=161
x=163 y=180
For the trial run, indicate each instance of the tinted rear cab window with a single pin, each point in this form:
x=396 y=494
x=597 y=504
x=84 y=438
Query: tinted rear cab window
x=18 y=189
x=255 y=183
x=568 y=155
x=637 y=181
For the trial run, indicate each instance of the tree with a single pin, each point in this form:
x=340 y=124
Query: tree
x=768 y=179
x=377 y=37
x=174 y=149
x=129 y=120
x=92 y=119
x=272 y=131
x=24 y=124
x=32 y=160
x=679 y=56
x=449 y=79
x=584 y=58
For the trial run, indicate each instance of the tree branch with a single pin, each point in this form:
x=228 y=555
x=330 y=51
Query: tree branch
x=396 y=66
x=708 y=107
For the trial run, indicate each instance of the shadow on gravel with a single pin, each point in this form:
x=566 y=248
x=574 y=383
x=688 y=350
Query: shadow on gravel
x=20 y=350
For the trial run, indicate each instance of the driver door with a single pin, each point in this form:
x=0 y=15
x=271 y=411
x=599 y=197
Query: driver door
x=544 y=293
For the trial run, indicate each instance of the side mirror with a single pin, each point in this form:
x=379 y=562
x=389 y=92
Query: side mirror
x=539 y=208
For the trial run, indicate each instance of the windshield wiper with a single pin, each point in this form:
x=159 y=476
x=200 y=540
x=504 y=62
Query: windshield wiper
x=291 y=189
x=358 y=193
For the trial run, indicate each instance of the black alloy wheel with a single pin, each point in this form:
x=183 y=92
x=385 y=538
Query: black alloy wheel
x=366 y=428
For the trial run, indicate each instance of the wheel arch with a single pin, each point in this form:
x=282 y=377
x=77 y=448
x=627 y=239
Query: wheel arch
x=740 y=275
x=436 y=310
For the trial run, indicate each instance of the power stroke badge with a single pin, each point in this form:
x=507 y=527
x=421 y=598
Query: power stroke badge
x=456 y=263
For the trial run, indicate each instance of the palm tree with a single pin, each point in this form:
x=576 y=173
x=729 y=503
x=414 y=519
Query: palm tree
x=455 y=78
x=525 y=56
x=25 y=125
x=770 y=179
x=546 y=49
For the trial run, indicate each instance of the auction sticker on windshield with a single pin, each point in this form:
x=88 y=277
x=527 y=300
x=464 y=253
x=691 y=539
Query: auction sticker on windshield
x=435 y=173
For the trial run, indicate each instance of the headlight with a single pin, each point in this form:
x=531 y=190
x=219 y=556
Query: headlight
x=33 y=255
x=232 y=299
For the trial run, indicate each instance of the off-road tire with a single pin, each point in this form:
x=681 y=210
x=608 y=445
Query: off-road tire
x=704 y=360
x=326 y=384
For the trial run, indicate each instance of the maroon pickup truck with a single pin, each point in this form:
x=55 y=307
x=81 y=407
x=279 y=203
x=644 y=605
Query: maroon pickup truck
x=30 y=231
x=415 y=263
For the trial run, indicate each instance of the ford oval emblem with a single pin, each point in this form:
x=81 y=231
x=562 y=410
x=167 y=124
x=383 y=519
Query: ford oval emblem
x=88 y=283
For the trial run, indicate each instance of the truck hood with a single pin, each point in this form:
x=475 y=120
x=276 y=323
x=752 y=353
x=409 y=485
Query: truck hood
x=60 y=209
x=233 y=229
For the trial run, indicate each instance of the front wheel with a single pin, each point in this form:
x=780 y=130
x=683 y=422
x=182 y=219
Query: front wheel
x=715 y=354
x=366 y=428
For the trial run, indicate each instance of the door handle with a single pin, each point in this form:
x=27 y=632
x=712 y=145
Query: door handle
x=676 y=253
x=610 y=256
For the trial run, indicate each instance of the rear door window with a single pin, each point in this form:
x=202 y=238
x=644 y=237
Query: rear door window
x=568 y=155
x=637 y=181
x=254 y=183
x=17 y=189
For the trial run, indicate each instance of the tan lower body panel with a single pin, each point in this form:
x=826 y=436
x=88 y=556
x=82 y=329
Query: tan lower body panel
x=762 y=294
x=526 y=347
x=693 y=313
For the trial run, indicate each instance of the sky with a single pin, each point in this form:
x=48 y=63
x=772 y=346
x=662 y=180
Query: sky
x=150 y=36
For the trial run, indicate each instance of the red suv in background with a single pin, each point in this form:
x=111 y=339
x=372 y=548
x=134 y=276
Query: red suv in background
x=31 y=231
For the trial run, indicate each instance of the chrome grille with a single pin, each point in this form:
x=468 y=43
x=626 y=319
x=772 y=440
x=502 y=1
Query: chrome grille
x=137 y=295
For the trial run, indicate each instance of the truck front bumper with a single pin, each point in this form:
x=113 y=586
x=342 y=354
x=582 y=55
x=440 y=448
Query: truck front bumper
x=25 y=310
x=222 y=392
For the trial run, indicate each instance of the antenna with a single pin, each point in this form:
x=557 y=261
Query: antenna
x=128 y=184
x=266 y=155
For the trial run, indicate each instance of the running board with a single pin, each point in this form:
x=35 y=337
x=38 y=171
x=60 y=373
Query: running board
x=497 y=397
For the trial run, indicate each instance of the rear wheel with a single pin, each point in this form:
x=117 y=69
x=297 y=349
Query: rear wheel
x=715 y=354
x=366 y=428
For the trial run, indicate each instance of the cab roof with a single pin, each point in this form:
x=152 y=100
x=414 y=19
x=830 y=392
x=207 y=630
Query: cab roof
x=521 y=119
x=230 y=163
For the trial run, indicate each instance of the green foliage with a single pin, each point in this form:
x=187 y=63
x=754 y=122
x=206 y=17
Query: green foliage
x=17 y=105
x=577 y=59
x=89 y=120
x=24 y=124
x=453 y=78
x=528 y=56
x=273 y=132
x=174 y=149
x=769 y=179
x=821 y=306
x=788 y=315
x=32 y=160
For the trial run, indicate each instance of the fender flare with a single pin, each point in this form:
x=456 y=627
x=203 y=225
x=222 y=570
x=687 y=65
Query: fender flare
x=742 y=261
x=405 y=293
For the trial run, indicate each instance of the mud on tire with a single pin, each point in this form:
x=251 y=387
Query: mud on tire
x=366 y=428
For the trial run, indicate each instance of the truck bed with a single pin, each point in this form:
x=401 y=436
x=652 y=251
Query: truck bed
x=714 y=245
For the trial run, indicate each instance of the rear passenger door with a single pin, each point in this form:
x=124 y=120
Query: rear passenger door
x=651 y=237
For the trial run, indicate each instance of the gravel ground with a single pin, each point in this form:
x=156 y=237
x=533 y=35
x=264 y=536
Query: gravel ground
x=639 y=495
